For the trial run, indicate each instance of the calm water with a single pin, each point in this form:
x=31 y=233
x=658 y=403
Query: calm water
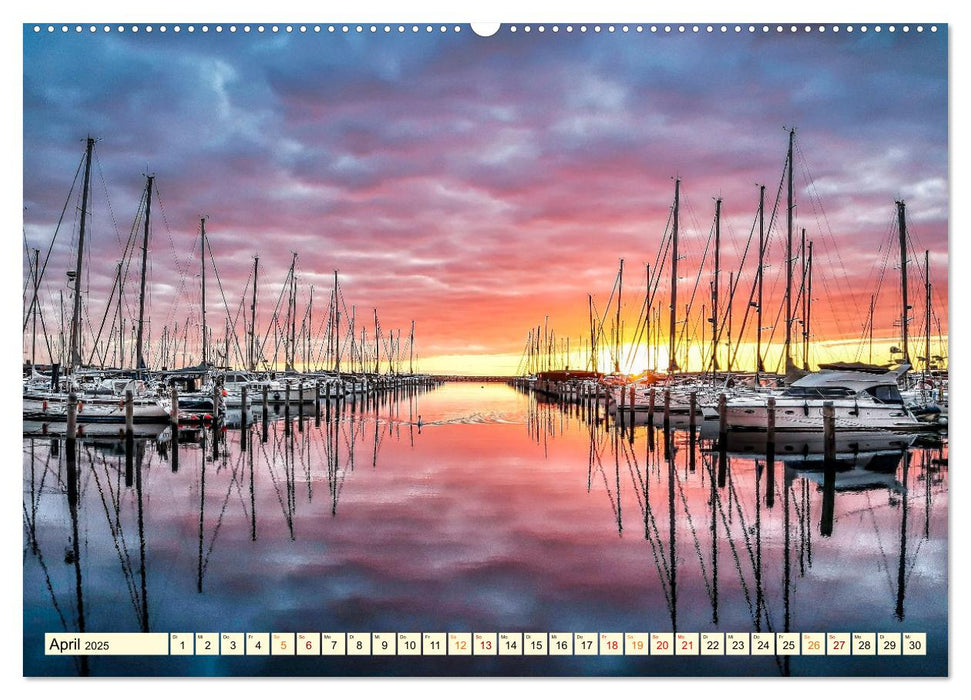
x=497 y=514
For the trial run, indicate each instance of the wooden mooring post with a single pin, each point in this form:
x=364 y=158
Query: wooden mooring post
x=300 y=407
x=650 y=408
x=667 y=409
x=770 y=427
x=243 y=415
x=722 y=423
x=692 y=409
x=286 y=411
x=829 y=433
x=72 y=426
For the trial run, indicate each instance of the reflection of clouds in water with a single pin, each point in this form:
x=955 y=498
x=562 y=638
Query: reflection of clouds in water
x=483 y=525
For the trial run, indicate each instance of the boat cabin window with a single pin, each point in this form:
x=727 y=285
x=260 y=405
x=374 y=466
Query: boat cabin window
x=885 y=394
x=817 y=392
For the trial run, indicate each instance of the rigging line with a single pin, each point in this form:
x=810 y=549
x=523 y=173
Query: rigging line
x=119 y=283
x=659 y=257
x=815 y=200
x=640 y=327
x=694 y=291
x=111 y=211
x=57 y=228
x=275 y=321
x=889 y=236
x=755 y=281
x=222 y=293
x=183 y=269
x=322 y=334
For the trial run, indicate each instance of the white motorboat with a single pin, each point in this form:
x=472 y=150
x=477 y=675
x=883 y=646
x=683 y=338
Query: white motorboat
x=861 y=400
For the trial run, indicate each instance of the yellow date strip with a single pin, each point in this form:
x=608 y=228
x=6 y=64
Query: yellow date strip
x=485 y=644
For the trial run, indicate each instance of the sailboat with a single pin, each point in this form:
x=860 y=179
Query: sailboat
x=99 y=400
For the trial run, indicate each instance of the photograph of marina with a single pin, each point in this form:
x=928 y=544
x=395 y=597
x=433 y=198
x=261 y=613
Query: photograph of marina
x=392 y=330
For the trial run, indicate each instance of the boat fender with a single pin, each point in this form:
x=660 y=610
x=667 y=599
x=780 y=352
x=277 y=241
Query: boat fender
x=805 y=408
x=80 y=406
x=856 y=409
x=45 y=406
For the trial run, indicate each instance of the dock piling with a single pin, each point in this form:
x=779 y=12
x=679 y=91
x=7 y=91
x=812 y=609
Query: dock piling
x=72 y=425
x=829 y=433
x=770 y=428
x=174 y=410
x=242 y=418
x=129 y=415
x=722 y=423
x=667 y=409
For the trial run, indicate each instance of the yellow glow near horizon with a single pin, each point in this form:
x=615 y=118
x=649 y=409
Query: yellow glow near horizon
x=640 y=359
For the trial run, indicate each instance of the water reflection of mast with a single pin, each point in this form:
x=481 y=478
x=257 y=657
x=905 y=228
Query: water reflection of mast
x=713 y=497
x=202 y=512
x=141 y=536
x=252 y=485
x=620 y=520
x=672 y=560
x=901 y=568
x=759 y=596
x=651 y=532
x=72 y=502
x=30 y=523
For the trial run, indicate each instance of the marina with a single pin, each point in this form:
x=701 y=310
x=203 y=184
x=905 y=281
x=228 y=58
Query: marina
x=520 y=515
x=410 y=350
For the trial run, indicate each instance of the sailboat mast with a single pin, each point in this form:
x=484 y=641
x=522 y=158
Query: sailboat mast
x=647 y=319
x=377 y=345
x=789 y=211
x=809 y=309
x=714 y=289
x=293 y=313
x=731 y=284
x=337 y=325
x=121 y=320
x=593 y=336
x=139 y=359
x=75 y=354
x=411 y=350
x=33 y=342
x=252 y=328
x=202 y=238
x=872 y=302
x=902 y=226
x=927 y=313
x=758 y=308
x=672 y=339
x=620 y=291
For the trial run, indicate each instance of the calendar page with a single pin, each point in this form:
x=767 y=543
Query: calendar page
x=514 y=349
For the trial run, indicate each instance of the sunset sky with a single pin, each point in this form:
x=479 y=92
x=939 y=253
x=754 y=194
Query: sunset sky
x=478 y=185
